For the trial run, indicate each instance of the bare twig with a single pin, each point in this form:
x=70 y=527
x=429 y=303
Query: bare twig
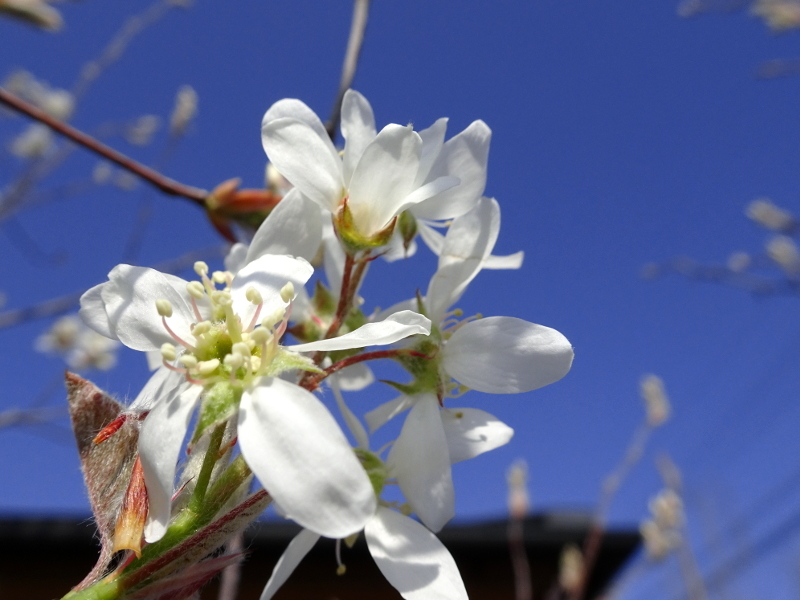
x=165 y=184
x=611 y=484
x=357 y=28
x=695 y=586
x=57 y=306
x=132 y=27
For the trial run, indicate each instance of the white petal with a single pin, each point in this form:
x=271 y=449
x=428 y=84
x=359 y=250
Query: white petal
x=267 y=274
x=296 y=449
x=432 y=141
x=420 y=461
x=297 y=109
x=358 y=129
x=412 y=559
x=471 y=432
x=432 y=188
x=160 y=444
x=161 y=384
x=355 y=426
x=388 y=410
x=130 y=300
x=293 y=227
x=355 y=377
x=333 y=258
x=154 y=359
x=383 y=178
x=506 y=355
x=432 y=238
x=464 y=156
x=393 y=328
x=93 y=312
x=509 y=261
x=468 y=242
x=236 y=258
x=287 y=563
x=395 y=249
x=308 y=162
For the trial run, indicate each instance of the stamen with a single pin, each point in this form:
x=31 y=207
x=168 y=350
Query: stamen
x=164 y=307
x=341 y=569
x=189 y=361
x=201 y=268
x=207 y=367
x=287 y=292
x=175 y=336
x=219 y=277
x=201 y=328
x=168 y=352
x=176 y=369
x=195 y=289
x=196 y=310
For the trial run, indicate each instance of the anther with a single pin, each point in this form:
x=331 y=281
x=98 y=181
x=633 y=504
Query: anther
x=241 y=348
x=201 y=268
x=168 y=351
x=234 y=361
x=260 y=336
x=207 y=367
x=189 y=361
x=287 y=292
x=201 y=328
x=195 y=289
x=219 y=277
x=164 y=307
x=253 y=295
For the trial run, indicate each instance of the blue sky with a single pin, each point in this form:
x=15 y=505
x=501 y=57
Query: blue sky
x=622 y=135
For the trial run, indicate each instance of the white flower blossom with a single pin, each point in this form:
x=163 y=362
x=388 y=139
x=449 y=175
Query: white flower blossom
x=374 y=180
x=228 y=340
x=501 y=355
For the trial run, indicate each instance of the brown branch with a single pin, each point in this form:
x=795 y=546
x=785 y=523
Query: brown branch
x=165 y=184
x=357 y=28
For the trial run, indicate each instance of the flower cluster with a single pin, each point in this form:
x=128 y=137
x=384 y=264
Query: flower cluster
x=221 y=344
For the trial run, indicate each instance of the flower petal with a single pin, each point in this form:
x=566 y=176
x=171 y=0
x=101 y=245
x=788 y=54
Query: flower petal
x=412 y=559
x=302 y=458
x=130 y=300
x=395 y=327
x=160 y=444
x=267 y=274
x=236 y=258
x=355 y=377
x=383 y=178
x=388 y=410
x=358 y=129
x=464 y=156
x=355 y=426
x=308 y=162
x=420 y=461
x=471 y=432
x=161 y=383
x=93 y=312
x=297 y=109
x=508 y=261
x=293 y=227
x=287 y=563
x=432 y=238
x=469 y=240
x=432 y=142
x=506 y=355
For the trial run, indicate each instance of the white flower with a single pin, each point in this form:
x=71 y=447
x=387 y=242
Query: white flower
x=377 y=176
x=500 y=355
x=229 y=339
x=411 y=558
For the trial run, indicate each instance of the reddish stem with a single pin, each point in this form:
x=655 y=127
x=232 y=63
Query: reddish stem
x=312 y=382
x=165 y=184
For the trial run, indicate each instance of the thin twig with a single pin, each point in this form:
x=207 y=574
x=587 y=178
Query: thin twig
x=62 y=304
x=611 y=484
x=695 y=586
x=165 y=184
x=357 y=28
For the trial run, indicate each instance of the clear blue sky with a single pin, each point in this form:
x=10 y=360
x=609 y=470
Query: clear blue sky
x=622 y=134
